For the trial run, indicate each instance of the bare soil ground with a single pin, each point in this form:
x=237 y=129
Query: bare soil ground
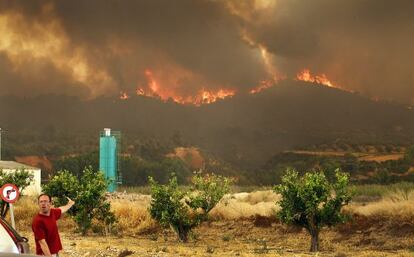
x=242 y=225
x=258 y=236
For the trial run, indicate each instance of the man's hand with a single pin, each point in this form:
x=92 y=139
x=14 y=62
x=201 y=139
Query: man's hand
x=66 y=207
x=70 y=201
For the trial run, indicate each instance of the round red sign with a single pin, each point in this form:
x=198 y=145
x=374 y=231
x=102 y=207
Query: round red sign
x=9 y=193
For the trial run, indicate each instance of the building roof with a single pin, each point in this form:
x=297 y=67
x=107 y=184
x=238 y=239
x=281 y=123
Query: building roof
x=15 y=165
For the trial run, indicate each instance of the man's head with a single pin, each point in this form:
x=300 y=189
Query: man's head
x=44 y=201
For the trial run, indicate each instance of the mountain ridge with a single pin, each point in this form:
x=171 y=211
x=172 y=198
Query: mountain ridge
x=244 y=129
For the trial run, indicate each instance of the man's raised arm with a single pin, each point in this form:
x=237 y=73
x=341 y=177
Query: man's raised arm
x=66 y=207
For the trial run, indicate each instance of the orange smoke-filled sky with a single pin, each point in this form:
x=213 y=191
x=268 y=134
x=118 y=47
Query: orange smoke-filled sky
x=199 y=49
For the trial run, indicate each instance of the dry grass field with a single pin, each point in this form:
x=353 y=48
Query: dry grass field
x=242 y=224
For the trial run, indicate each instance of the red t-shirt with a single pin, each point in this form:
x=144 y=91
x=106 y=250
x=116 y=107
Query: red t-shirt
x=45 y=227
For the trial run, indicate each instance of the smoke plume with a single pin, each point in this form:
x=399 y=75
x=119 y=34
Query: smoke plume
x=180 y=48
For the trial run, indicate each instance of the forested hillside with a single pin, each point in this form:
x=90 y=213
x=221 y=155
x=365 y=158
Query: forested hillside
x=244 y=131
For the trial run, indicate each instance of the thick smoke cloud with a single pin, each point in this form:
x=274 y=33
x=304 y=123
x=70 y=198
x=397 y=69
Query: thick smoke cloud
x=98 y=48
x=364 y=46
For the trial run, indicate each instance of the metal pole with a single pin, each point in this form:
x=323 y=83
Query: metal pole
x=12 y=216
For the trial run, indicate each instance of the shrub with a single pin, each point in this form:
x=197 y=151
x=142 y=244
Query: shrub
x=184 y=210
x=89 y=194
x=20 y=178
x=312 y=201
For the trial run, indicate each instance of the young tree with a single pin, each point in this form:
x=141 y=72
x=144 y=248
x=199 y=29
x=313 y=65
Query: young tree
x=184 y=210
x=20 y=178
x=89 y=194
x=312 y=201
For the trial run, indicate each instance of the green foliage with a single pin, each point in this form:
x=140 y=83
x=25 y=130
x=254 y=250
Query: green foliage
x=208 y=191
x=386 y=172
x=154 y=150
x=167 y=207
x=312 y=201
x=76 y=164
x=136 y=171
x=276 y=166
x=376 y=191
x=184 y=210
x=382 y=176
x=89 y=194
x=20 y=178
x=409 y=155
x=329 y=168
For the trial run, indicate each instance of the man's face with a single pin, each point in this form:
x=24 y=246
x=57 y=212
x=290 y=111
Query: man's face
x=44 y=204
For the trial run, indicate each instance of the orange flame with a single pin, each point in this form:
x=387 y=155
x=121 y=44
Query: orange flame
x=123 y=96
x=202 y=97
x=306 y=75
x=264 y=84
x=152 y=83
x=208 y=97
x=140 y=91
x=154 y=89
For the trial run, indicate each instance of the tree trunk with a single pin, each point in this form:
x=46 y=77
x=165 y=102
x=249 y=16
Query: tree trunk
x=183 y=234
x=313 y=230
x=314 y=241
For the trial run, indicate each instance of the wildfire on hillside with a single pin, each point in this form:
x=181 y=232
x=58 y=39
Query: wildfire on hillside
x=153 y=88
x=210 y=97
x=203 y=97
x=306 y=75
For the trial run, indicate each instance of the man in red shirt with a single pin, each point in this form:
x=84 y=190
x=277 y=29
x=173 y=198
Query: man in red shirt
x=45 y=228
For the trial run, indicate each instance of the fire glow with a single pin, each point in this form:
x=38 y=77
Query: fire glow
x=211 y=96
x=123 y=96
x=153 y=88
x=306 y=75
x=264 y=84
x=203 y=96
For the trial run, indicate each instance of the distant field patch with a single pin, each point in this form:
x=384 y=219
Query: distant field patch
x=361 y=156
x=320 y=153
x=382 y=158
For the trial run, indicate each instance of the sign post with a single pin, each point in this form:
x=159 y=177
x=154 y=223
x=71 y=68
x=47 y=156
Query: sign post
x=10 y=194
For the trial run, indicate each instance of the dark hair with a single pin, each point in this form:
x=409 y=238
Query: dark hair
x=42 y=194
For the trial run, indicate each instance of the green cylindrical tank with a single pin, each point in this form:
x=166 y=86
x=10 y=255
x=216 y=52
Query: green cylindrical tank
x=108 y=162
